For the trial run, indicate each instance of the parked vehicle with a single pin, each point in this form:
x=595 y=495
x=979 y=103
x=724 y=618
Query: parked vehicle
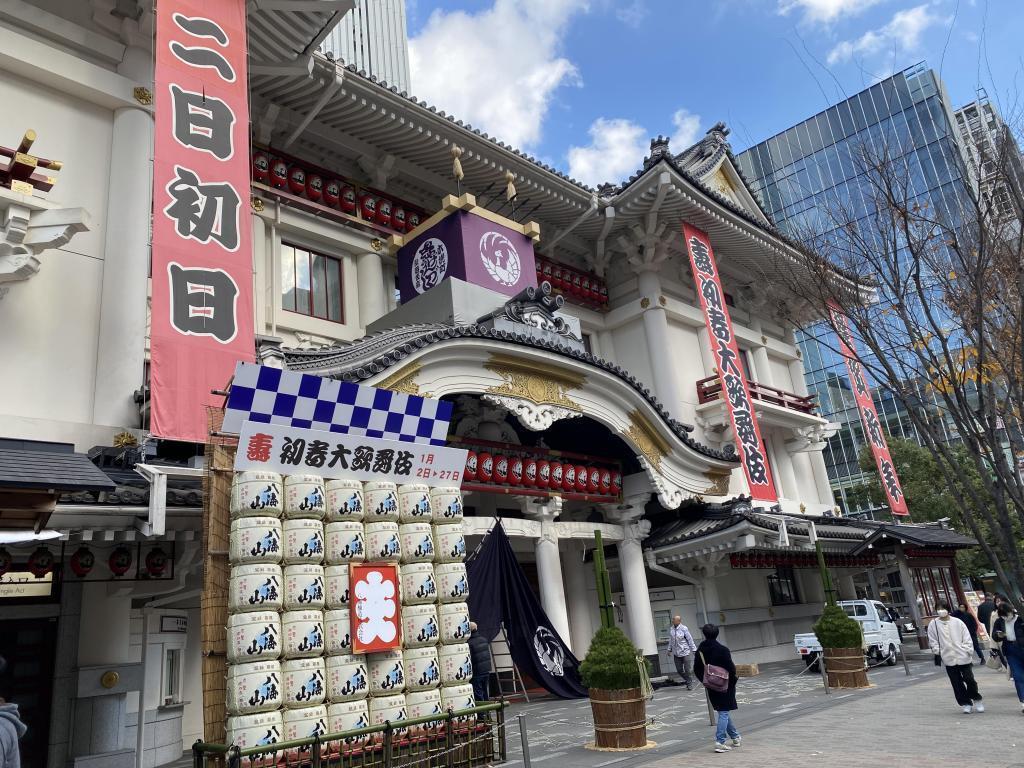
x=882 y=640
x=904 y=624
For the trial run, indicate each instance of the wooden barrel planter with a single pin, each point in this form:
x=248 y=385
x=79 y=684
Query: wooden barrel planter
x=620 y=718
x=846 y=668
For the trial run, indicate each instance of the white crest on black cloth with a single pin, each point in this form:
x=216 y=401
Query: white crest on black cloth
x=549 y=651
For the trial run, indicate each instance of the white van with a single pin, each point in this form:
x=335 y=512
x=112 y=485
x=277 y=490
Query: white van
x=881 y=635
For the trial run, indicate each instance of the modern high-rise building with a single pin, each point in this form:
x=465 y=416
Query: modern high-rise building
x=373 y=37
x=802 y=171
x=994 y=159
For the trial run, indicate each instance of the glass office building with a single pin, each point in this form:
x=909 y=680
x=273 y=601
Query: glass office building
x=804 y=170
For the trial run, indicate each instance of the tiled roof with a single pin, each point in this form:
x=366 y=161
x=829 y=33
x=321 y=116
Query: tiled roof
x=56 y=470
x=924 y=535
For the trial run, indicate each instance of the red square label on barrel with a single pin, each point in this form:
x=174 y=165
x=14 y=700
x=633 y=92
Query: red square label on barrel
x=376 y=619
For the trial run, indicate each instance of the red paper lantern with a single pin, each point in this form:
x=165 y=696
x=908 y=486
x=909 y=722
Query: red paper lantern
x=471 y=465
x=557 y=473
x=548 y=268
x=348 y=199
x=412 y=220
x=501 y=469
x=332 y=193
x=398 y=218
x=515 y=471
x=384 y=212
x=604 y=295
x=82 y=561
x=569 y=476
x=616 y=483
x=279 y=174
x=260 y=167
x=314 y=187
x=486 y=467
x=5 y=561
x=368 y=206
x=576 y=289
x=582 y=478
x=156 y=562
x=605 y=483
x=297 y=180
x=530 y=472
x=120 y=561
x=593 y=479
x=40 y=562
x=543 y=473
x=558 y=279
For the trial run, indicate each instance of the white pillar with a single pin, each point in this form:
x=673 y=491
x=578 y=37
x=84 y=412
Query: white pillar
x=639 y=615
x=370 y=280
x=762 y=372
x=821 y=481
x=121 y=349
x=847 y=588
x=663 y=368
x=581 y=628
x=549 y=568
x=784 y=470
x=796 y=373
x=261 y=293
x=706 y=355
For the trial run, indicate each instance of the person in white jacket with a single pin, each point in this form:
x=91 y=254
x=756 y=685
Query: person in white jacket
x=951 y=644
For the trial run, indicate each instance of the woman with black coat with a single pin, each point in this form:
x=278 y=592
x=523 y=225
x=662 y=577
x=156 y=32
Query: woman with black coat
x=1008 y=631
x=713 y=653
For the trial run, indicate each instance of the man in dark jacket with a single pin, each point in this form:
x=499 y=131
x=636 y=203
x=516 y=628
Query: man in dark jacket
x=712 y=653
x=985 y=611
x=480 y=656
x=1008 y=631
x=963 y=613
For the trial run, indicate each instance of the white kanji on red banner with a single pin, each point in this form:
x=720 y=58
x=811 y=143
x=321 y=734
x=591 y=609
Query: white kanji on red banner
x=375 y=614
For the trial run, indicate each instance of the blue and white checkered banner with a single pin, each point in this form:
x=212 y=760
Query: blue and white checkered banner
x=272 y=396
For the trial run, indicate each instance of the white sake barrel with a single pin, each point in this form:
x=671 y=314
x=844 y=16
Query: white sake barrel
x=347 y=678
x=304 y=723
x=452 y=582
x=456 y=697
x=388 y=709
x=303 y=541
x=419 y=626
x=303 y=587
x=336 y=586
x=254 y=687
x=303 y=633
x=255 y=540
x=339 y=631
x=349 y=716
x=417 y=583
x=344 y=500
x=256 y=494
x=446 y=503
x=259 y=730
x=381 y=501
x=382 y=542
x=424 y=704
x=305 y=683
x=417 y=542
x=304 y=496
x=422 y=668
x=344 y=542
x=454 y=621
x=456 y=663
x=387 y=673
x=254 y=635
x=449 y=543
x=414 y=503
x=256 y=587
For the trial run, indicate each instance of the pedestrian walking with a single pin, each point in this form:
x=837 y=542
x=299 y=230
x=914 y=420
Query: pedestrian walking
x=963 y=613
x=1008 y=631
x=950 y=642
x=11 y=730
x=714 y=668
x=480 y=656
x=682 y=648
x=985 y=610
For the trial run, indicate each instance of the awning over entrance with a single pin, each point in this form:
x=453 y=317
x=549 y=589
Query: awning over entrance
x=882 y=536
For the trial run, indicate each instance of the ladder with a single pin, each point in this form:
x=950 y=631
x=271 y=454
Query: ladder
x=510 y=681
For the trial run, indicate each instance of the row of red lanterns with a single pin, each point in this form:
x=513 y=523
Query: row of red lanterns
x=580 y=287
x=769 y=560
x=333 y=193
x=83 y=560
x=529 y=472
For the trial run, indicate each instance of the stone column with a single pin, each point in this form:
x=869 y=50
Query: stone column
x=784 y=470
x=847 y=588
x=910 y=591
x=706 y=355
x=821 y=481
x=873 y=584
x=549 y=568
x=370 y=280
x=762 y=372
x=634 y=572
x=666 y=382
x=121 y=347
x=577 y=587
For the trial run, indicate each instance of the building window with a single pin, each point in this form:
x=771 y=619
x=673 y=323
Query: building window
x=782 y=586
x=311 y=283
x=587 y=344
x=172 y=676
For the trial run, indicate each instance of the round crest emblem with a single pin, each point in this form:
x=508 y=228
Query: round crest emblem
x=549 y=651
x=500 y=258
x=429 y=264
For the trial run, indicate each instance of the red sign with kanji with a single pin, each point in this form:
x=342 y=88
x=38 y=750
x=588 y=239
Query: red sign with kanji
x=376 y=617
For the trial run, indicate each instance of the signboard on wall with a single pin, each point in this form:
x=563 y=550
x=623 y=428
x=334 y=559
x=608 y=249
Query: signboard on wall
x=376 y=619
x=202 y=317
x=735 y=391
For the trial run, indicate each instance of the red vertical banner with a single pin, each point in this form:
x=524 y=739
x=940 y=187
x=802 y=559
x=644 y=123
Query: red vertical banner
x=201 y=319
x=869 y=415
x=751 y=447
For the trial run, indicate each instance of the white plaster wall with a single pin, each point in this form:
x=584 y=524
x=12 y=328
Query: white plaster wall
x=630 y=344
x=104 y=636
x=781 y=377
x=688 y=365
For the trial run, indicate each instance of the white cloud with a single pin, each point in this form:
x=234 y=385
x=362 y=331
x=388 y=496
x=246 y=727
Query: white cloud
x=617 y=148
x=687 y=130
x=499 y=68
x=902 y=33
x=825 y=11
x=632 y=14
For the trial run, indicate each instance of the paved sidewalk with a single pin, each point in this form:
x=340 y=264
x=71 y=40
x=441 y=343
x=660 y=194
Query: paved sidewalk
x=917 y=726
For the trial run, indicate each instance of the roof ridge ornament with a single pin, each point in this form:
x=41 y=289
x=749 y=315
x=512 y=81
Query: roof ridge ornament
x=659 y=149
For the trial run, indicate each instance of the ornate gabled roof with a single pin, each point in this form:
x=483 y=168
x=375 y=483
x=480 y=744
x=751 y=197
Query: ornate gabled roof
x=372 y=355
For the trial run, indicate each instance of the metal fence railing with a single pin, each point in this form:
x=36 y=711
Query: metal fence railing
x=467 y=738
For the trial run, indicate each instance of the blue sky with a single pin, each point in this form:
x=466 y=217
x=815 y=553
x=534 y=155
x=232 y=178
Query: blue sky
x=585 y=84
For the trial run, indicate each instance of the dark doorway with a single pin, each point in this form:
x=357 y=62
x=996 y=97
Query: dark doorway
x=29 y=647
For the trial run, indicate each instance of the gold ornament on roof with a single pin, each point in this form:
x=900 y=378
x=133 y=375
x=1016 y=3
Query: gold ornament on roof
x=125 y=439
x=534 y=381
x=457 y=171
x=645 y=438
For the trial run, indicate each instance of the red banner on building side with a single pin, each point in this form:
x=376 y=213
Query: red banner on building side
x=201 y=320
x=735 y=391
x=869 y=415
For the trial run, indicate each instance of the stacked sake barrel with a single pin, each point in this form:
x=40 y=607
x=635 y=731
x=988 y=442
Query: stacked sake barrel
x=292 y=673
